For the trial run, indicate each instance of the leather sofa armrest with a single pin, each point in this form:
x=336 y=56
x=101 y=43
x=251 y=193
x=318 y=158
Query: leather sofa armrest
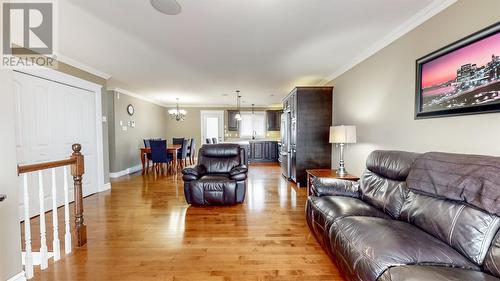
x=238 y=172
x=193 y=173
x=331 y=187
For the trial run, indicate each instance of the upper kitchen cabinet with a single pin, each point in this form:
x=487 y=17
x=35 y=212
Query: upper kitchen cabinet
x=274 y=120
x=232 y=123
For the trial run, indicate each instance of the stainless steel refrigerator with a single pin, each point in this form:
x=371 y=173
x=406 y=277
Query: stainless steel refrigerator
x=285 y=144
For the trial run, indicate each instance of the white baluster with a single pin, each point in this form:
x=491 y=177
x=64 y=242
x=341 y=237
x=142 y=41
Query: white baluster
x=28 y=264
x=56 y=245
x=43 y=239
x=67 y=233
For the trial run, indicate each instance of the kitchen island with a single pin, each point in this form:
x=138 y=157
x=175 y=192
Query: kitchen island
x=260 y=150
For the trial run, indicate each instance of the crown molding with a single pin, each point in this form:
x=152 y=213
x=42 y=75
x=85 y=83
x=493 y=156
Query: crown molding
x=225 y=106
x=137 y=96
x=82 y=66
x=422 y=16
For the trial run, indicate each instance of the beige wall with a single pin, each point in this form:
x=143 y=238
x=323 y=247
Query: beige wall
x=191 y=126
x=378 y=95
x=10 y=236
x=150 y=121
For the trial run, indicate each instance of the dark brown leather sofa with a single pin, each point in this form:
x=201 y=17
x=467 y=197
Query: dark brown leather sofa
x=433 y=216
x=219 y=178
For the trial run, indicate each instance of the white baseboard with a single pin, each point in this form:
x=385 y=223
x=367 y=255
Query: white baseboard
x=125 y=172
x=18 y=277
x=105 y=187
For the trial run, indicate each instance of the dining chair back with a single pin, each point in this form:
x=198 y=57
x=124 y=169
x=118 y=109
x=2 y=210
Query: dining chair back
x=214 y=140
x=208 y=141
x=177 y=141
x=159 y=151
x=183 y=152
x=191 y=151
x=159 y=154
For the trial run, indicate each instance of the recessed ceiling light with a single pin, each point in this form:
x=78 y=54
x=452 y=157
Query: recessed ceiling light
x=168 y=7
x=225 y=95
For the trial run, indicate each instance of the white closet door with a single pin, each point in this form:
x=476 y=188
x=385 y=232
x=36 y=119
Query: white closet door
x=50 y=117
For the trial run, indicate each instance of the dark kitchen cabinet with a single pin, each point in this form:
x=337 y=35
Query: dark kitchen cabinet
x=263 y=151
x=232 y=123
x=257 y=149
x=309 y=115
x=274 y=120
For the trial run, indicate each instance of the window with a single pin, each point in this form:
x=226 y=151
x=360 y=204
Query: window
x=253 y=122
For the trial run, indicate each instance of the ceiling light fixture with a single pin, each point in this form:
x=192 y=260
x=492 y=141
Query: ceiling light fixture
x=168 y=7
x=238 y=98
x=177 y=114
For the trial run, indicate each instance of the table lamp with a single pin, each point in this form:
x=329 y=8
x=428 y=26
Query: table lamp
x=342 y=135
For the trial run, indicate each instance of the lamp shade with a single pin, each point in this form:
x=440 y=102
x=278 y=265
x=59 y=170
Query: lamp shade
x=343 y=134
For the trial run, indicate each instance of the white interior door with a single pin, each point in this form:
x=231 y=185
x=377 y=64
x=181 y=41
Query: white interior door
x=50 y=117
x=212 y=125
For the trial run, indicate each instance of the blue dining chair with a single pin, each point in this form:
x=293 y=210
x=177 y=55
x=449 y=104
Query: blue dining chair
x=160 y=156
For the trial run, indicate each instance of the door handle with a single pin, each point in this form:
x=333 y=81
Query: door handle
x=3 y=197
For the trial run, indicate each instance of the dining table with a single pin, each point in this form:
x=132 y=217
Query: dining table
x=171 y=149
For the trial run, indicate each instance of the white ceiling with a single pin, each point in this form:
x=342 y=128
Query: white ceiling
x=262 y=47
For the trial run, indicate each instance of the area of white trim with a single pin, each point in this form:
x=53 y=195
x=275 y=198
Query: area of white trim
x=105 y=187
x=137 y=96
x=57 y=76
x=423 y=15
x=21 y=276
x=82 y=66
x=125 y=172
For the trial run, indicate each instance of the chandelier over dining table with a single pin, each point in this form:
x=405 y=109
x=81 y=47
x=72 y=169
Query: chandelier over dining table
x=176 y=113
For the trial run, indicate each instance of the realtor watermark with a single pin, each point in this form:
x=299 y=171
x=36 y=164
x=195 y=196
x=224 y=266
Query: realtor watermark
x=28 y=34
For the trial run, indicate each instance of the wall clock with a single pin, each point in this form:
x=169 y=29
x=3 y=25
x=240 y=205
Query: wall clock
x=130 y=109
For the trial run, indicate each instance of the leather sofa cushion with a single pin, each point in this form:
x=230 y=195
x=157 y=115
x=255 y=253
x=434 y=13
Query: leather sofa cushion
x=385 y=194
x=492 y=260
x=470 y=178
x=221 y=150
x=330 y=186
x=433 y=273
x=322 y=211
x=466 y=229
x=366 y=246
x=389 y=164
x=213 y=190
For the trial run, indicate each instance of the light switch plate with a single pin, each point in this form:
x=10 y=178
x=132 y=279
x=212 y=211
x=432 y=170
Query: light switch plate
x=104 y=119
x=121 y=123
x=124 y=128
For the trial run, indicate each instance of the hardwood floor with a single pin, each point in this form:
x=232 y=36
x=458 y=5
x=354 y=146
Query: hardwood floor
x=143 y=230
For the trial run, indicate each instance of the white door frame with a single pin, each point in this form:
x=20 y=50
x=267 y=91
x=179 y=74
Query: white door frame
x=221 y=123
x=59 y=77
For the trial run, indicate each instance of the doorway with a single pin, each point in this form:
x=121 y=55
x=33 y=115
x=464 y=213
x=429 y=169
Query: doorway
x=212 y=125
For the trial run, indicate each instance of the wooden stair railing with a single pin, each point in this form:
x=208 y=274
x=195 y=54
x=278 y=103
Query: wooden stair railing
x=76 y=162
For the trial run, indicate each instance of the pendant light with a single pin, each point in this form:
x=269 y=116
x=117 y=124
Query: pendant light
x=177 y=114
x=238 y=97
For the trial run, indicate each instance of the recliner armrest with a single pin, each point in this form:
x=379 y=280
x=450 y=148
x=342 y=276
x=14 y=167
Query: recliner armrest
x=330 y=187
x=238 y=172
x=193 y=173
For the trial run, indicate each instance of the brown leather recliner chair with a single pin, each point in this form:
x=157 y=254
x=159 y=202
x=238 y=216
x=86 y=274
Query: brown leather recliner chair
x=412 y=217
x=219 y=178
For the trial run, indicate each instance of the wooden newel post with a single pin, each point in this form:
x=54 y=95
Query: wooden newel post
x=77 y=171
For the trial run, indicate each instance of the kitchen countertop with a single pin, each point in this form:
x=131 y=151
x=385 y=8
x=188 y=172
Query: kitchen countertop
x=245 y=141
